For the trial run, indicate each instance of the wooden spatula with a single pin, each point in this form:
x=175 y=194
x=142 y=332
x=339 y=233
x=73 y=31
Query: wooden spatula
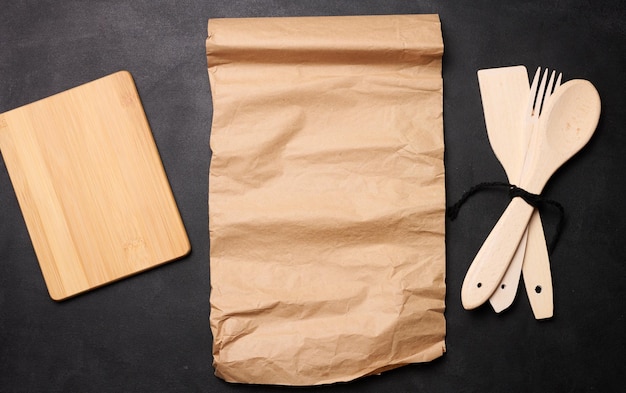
x=91 y=186
x=504 y=93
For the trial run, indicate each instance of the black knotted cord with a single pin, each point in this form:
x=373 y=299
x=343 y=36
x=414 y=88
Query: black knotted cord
x=535 y=200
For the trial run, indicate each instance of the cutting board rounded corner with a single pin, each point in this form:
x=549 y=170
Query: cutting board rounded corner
x=185 y=251
x=124 y=75
x=56 y=295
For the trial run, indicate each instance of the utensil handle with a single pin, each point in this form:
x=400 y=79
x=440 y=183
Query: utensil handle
x=504 y=295
x=486 y=271
x=536 y=270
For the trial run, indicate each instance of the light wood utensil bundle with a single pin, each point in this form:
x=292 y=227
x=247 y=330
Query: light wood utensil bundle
x=533 y=131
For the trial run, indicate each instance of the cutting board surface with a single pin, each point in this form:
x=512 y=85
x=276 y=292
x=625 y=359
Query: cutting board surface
x=91 y=185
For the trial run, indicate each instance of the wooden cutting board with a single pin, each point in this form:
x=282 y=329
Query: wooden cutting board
x=91 y=186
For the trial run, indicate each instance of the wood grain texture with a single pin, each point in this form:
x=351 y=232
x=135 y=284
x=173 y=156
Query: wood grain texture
x=91 y=185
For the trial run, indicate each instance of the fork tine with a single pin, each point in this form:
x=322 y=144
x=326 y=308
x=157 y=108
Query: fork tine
x=533 y=94
x=558 y=81
x=550 y=84
x=548 y=93
x=540 y=94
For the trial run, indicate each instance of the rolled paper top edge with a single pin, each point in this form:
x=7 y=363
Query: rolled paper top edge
x=399 y=37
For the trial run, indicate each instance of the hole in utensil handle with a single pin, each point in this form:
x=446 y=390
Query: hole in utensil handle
x=485 y=273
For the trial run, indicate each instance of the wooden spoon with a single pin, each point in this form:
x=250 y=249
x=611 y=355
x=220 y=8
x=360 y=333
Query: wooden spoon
x=568 y=123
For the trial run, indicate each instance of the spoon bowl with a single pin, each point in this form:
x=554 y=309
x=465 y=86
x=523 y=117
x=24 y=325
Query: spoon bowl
x=572 y=116
x=561 y=135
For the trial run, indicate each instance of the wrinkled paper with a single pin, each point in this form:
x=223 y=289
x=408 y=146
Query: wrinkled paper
x=326 y=196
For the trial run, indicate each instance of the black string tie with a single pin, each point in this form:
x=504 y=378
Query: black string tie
x=535 y=200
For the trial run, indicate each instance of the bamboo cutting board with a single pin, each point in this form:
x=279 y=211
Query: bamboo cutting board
x=91 y=185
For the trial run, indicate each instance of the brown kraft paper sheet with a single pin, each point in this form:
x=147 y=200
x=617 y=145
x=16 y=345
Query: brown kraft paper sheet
x=326 y=196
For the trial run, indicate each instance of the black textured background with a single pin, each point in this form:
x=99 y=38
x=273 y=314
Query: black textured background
x=150 y=333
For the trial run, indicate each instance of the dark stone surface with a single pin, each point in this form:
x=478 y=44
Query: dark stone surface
x=150 y=333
